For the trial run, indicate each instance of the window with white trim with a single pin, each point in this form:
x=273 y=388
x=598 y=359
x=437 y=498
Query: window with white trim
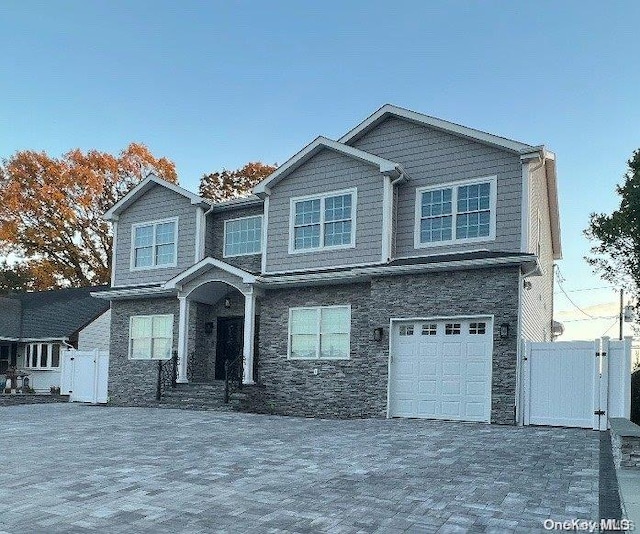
x=455 y=213
x=325 y=221
x=321 y=332
x=243 y=236
x=150 y=337
x=154 y=244
x=42 y=356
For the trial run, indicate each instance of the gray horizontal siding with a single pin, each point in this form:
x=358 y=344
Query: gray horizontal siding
x=537 y=302
x=214 y=240
x=325 y=172
x=157 y=203
x=432 y=157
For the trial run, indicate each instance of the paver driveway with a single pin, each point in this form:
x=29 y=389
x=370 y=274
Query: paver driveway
x=74 y=468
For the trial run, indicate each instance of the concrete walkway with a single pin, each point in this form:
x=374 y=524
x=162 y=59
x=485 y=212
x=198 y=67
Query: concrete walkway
x=72 y=468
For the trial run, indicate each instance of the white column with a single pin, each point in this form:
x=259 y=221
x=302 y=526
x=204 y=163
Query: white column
x=249 y=333
x=183 y=353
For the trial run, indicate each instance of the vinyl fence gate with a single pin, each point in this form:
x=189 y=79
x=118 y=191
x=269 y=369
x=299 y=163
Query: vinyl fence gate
x=576 y=383
x=84 y=375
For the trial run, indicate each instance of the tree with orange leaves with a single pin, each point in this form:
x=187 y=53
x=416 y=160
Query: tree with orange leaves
x=225 y=184
x=51 y=210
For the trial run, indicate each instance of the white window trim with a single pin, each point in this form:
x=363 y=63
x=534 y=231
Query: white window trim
x=493 y=181
x=132 y=258
x=224 y=238
x=39 y=352
x=129 y=356
x=318 y=357
x=292 y=205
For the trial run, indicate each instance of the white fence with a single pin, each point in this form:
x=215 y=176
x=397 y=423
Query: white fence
x=85 y=375
x=576 y=383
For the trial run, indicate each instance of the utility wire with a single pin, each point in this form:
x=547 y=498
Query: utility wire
x=607 y=330
x=590 y=318
x=586 y=289
x=559 y=280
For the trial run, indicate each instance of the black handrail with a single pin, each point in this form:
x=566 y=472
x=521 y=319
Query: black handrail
x=167 y=374
x=233 y=371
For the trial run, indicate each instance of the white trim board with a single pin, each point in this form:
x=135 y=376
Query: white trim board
x=389 y=110
x=144 y=186
x=385 y=166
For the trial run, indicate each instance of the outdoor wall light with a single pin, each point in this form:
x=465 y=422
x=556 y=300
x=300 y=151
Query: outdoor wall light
x=504 y=330
x=208 y=328
x=377 y=333
x=227 y=302
x=526 y=284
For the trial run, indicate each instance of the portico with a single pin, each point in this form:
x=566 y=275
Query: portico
x=213 y=284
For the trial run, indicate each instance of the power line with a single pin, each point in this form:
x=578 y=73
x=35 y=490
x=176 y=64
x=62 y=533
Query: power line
x=559 y=280
x=607 y=330
x=586 y=289
x=590 y=318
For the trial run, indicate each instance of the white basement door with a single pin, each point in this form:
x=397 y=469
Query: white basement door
x=441 y=369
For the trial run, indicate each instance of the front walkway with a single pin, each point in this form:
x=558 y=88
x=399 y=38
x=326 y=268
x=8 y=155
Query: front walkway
x=72 y=468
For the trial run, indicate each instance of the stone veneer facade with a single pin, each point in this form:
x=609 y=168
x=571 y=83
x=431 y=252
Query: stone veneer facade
x=358 y=387
x=348 y=388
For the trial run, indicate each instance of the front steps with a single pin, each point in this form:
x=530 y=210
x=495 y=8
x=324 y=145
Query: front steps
x=197 y=396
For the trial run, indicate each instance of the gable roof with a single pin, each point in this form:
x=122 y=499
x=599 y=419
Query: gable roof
x=144 y=186
x=389 y=110
x=386 y=167
x=55 y=314
x=204 y=266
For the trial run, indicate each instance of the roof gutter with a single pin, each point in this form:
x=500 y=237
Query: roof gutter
x=365 y=273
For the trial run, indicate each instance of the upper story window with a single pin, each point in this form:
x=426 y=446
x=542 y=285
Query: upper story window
x=463 y=212
x=42 y=356
x=243 y=236
x=154 y=244
x=323 y=221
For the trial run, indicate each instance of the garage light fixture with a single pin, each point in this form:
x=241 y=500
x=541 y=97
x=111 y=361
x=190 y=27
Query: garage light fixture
x=377 y=333
x=208 y=328
x=504 y=330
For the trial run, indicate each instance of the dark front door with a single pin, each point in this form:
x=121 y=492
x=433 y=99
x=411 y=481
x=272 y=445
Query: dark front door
x=228 y=342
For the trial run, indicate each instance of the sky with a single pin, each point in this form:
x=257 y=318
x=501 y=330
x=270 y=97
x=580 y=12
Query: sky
x=213 y=85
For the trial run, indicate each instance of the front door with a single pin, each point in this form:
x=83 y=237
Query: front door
x=229 y=342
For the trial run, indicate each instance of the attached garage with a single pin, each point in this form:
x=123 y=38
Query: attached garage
x=441 y=368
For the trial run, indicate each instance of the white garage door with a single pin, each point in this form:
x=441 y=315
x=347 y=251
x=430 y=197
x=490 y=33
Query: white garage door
x=441 y=369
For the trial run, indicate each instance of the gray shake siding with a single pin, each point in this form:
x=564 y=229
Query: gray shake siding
x=327 y=171
x=358 y=387
x=157 y=203
x=432 y=157
x=214 y=242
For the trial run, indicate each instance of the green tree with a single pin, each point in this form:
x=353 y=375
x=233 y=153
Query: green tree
x=225 y=184
x=615 y=254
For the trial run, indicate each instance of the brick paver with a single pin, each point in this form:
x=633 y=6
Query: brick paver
x=73 y=468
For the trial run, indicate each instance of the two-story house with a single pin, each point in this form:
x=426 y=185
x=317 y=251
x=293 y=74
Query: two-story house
x=393 y=272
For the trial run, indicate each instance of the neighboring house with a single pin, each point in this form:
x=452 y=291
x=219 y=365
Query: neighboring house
x=36 y=326
x=393 y=272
